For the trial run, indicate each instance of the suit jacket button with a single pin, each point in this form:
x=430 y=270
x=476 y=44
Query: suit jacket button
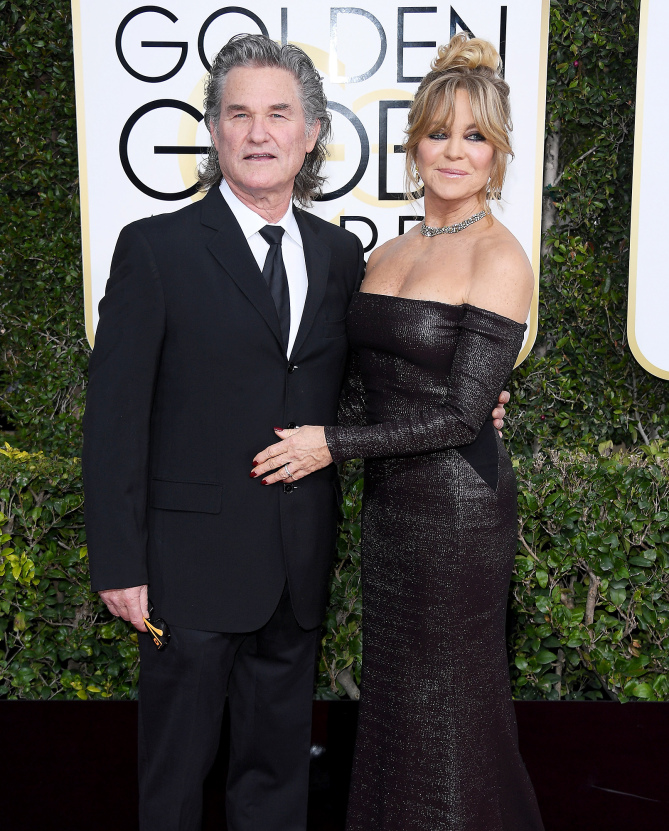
x=288 y=488
x=291 y=367
x=291 y=425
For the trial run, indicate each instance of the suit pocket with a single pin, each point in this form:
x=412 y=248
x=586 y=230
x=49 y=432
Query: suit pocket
x=202 y=497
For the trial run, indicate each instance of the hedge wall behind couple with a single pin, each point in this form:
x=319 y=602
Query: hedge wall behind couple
x=589 y=612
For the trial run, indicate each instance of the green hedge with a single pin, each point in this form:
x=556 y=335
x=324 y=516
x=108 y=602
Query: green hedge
x=58 y=641
x=581 y=385
x=43 y=348
x=590 y=527
x=579 y=389
x=591 y=583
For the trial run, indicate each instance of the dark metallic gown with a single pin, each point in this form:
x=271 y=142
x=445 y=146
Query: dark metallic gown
x=436 y=747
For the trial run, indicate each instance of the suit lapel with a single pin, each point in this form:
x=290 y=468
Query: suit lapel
x=317 y=259
x=231 y=249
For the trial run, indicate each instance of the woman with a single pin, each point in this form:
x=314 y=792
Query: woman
x=435 y=331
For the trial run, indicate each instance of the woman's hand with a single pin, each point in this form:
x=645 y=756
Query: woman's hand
x=300 y=452
x=499 y=412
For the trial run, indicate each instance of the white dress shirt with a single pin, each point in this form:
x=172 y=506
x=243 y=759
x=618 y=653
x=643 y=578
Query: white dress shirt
x=291 y=247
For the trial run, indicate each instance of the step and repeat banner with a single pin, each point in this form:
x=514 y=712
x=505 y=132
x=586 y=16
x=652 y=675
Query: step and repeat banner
x=647 y=326
x=140 y=71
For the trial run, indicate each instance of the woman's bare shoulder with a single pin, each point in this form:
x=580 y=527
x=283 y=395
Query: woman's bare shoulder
x=387 y=250
x=502 y=279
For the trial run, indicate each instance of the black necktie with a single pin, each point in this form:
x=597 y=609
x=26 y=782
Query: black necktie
x=274 y=272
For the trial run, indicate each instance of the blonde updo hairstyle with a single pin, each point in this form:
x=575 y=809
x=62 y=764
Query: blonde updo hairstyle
x=474 y=65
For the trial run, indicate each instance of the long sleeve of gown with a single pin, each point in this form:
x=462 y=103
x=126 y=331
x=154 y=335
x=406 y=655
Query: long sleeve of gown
x=487 y=349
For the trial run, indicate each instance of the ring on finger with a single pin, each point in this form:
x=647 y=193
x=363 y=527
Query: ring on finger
x=289 y=475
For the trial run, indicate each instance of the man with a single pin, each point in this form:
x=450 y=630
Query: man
x=196 y=359
x=219 y=322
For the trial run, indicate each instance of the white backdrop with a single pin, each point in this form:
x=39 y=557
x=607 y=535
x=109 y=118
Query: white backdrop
x=139 y=82
x=648 y=306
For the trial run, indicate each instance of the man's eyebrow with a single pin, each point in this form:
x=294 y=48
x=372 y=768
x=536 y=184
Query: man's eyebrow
x=236 y=108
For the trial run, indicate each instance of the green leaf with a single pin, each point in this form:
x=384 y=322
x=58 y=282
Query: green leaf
x=542 y=578
x=543 y=604
x=643 y=691
x=545 y=656
x=618 y=596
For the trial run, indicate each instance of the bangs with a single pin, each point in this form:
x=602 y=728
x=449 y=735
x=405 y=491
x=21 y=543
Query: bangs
x=439 y=111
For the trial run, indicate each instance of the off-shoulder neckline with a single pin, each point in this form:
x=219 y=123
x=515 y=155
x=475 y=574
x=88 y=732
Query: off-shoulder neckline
x=448 y=305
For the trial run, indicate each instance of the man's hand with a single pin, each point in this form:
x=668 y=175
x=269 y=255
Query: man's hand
x=130 y=604
x=499 y=412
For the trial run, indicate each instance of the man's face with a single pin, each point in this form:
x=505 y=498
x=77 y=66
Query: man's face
x=261 y=135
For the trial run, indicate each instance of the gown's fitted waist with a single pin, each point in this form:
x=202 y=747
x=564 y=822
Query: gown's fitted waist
x=426 y=375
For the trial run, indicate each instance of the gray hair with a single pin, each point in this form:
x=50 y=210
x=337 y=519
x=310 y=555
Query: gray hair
x=260 y=51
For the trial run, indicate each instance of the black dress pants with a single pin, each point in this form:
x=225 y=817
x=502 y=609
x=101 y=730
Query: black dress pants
x=268 y=677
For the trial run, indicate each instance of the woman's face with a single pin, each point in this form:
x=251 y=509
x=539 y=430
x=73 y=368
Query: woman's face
x=455 y=164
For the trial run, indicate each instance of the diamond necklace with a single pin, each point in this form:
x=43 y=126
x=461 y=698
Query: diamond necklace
x=427 y=231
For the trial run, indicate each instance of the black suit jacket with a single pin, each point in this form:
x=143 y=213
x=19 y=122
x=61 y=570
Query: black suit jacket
x=187 y=379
